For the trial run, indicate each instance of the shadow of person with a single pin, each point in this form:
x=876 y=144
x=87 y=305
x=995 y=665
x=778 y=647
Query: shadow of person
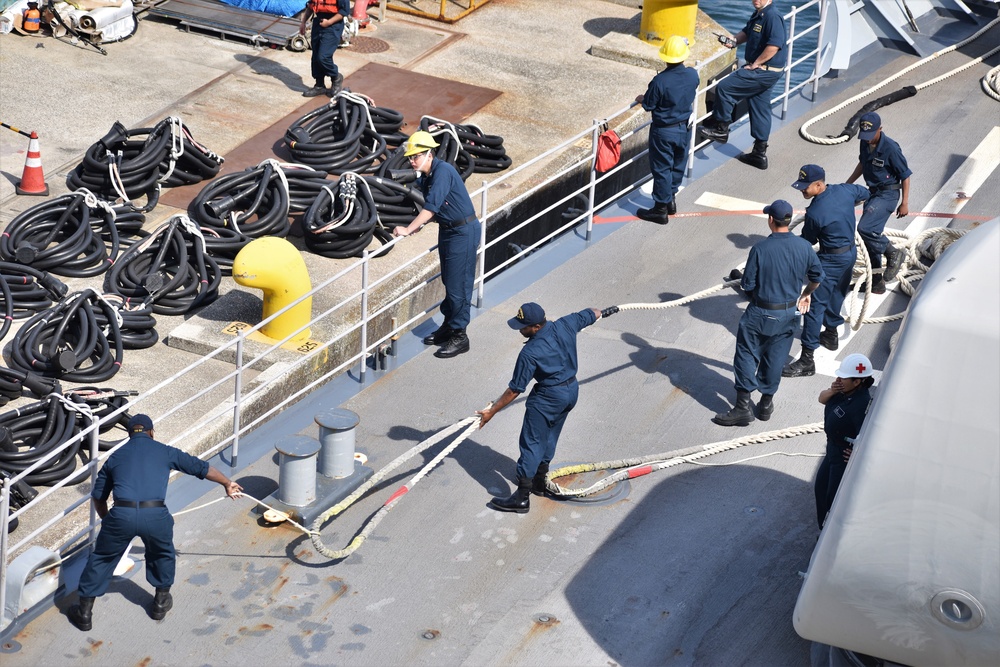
x=745 y=241
x=267 y=67
x=485 y=465
x=128 y=589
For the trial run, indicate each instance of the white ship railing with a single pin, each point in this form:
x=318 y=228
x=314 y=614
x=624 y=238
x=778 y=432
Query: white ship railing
x=359 y=271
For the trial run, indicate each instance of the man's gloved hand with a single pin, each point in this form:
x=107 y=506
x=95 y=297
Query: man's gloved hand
x=610 y=310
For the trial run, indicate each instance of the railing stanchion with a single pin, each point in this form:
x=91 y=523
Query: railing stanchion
x=592 y=190
x=237 y=396
x=4 y=511
x=789 y=60
x=364 y=315
x=481 y=253
x=819 y=50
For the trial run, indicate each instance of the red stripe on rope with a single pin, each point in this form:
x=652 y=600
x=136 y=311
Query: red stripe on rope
x=400 y=491
x=639 y=472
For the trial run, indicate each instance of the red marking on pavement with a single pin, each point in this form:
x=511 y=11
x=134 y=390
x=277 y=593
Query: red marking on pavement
x=639 y=472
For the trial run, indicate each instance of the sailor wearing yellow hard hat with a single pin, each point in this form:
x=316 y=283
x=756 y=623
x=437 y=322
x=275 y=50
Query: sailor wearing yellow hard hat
x=447 y=202
x=669 y=98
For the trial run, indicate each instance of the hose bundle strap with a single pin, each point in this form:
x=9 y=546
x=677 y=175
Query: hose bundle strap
x=466 y=426
x=343 y=225
x=78 y=340
x=347 y=135
x=130 y=164
x=169 y=267
x=237 y=208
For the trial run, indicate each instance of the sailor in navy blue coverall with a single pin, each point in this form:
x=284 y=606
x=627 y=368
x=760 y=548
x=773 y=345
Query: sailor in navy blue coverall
x=888 y=178
x=325 y=35
x=775 y=273
x=669 y=98
x=549 y=357
x=830 y=222
x=766 y=57
x=137 y=475
x=447 y=201
x=846 y=405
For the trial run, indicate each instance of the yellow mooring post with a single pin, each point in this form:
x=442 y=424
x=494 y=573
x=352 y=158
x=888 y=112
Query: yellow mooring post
x=275 y=266
x=663 y=18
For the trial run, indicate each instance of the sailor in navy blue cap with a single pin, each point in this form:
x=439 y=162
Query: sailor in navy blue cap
x=776 y=271
x=549 y=357
x=887 y=175
x=137 y=474
x=830 y=222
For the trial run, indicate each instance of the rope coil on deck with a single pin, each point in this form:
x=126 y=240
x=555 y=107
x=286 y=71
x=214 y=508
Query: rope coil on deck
x=849 y=132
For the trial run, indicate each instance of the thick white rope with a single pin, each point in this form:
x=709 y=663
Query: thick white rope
x=830 y=141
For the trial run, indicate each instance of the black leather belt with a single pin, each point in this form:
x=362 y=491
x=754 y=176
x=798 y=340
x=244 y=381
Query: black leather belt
x=461 y=223
x=775 y=306
x=835 y=251
x=561 y=384
x=142 y=504
x=883 y=188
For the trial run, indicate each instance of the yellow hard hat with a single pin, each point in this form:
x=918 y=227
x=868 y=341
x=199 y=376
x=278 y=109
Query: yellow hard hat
x=675 y=49
x=419 y=142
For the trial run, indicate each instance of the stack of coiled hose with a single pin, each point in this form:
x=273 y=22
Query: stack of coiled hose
x=34 y=431
x=343 y=224
x=13 y=384
x=170 y=268
x=396 y=202
x=130 y=164
x=465 y=147
x=237 y=208
x=350 y=134
x=78 y=340
x=26 y=291
x=75 y=235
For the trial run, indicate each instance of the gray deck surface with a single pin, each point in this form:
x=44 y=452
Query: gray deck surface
x=697 y=565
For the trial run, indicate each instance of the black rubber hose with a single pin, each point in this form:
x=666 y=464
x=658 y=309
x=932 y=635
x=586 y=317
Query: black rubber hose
x=395 y=203
x=31 y=290
x=68 y=235
x=35 y=431
x=170 y=268
x=78 y=340
x=343 y=226
x=853 y=124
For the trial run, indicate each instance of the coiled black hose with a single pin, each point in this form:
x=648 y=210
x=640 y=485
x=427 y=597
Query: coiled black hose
x=121 y=165
x=70 y=341
x=237 y=208
x=350 y=134
x=343 y=225
x=396 y=203
x=31 y=290
x=170 y=267
x=138 y=326
x=13 y=383
x=66 y=235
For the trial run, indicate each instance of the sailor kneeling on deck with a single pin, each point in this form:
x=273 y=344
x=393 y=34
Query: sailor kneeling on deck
x=137 y=476
x=549 y=356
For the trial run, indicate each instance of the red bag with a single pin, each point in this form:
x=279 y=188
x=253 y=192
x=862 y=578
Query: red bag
x=609 y=151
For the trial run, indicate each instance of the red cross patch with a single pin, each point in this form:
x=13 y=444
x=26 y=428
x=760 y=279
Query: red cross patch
x=860 y=368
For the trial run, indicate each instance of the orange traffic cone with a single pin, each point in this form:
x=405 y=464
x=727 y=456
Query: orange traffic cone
x=32 y=179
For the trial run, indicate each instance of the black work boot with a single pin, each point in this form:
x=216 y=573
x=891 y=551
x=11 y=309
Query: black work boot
x=336 y=86
x=439 y=337
x=714 y=129
x=830 y=339
x=457 y=344
x=672 y=206
x=740 y=415
x=765 y=407
x=894 y=258
x=538 y=481
x=658 y=214
x=802 y=367
x=878 y=287
x=162 y=603
x=519 y=501
x=318 y=89
x=756 y=158
x=82 y=615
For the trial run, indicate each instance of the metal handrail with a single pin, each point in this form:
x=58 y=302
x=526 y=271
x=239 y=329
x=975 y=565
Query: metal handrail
x=240 y=396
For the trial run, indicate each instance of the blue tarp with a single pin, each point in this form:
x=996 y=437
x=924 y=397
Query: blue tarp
x=278 y=7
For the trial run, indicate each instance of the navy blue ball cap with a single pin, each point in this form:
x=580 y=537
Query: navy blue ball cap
x=528 y=315
x=808 y=174
x=140 y=424
x=779 y=210
x=870 y=124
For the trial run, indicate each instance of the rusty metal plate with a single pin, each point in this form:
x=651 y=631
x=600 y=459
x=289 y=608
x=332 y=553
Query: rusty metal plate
x=362 y=44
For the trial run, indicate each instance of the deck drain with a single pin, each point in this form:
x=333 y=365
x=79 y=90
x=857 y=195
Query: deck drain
x=362 y=44
x=612 y=494
x=750 y=509
x=430 y=635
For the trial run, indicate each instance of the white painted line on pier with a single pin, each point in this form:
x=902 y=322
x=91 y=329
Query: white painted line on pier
x=727 y=203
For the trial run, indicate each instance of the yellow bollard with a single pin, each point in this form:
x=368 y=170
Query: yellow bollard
x=275 y=266
x=663 y=18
